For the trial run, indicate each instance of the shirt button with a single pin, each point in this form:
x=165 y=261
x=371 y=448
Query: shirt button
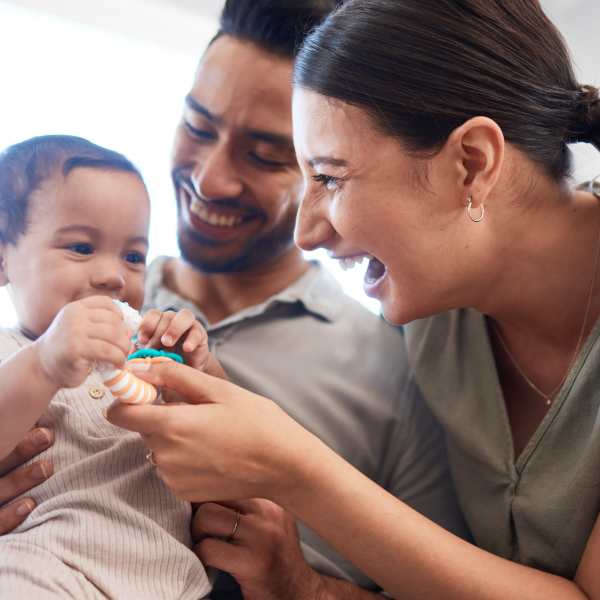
x=96 y=392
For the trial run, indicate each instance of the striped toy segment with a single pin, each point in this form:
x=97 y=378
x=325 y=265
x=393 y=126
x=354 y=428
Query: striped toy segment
x=128 y=388
x=137 y=392
x=113 y=378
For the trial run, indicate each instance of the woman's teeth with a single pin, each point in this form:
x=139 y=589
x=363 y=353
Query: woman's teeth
x=213 y=218
x=375 y=271
x=351 y=261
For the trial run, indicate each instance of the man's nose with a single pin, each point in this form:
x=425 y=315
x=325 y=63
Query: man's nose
x=215 y=175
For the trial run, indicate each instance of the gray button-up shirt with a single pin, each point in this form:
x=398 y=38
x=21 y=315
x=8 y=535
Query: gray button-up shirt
x=343 y=374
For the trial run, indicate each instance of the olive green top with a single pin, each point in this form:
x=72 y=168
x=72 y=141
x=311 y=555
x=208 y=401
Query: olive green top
x=537 y=509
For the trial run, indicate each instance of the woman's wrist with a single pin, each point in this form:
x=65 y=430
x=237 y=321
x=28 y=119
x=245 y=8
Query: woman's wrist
x=305 y=467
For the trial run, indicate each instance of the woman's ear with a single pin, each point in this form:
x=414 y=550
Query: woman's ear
x=476 y=151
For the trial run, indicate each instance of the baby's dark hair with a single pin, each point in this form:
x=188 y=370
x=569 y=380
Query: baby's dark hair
x=25 y=166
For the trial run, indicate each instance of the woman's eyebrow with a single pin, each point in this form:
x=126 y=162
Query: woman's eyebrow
x=328 y=161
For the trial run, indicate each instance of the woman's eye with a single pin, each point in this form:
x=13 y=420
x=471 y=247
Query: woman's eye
x=81 y=248
x=135 y=258
x=328 y=181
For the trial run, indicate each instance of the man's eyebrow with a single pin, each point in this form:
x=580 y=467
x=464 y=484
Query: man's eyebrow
x=327 y=160
x=93 y=231
x=197 y=107
x=277 y=139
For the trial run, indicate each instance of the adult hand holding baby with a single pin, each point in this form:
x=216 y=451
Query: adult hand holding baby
x=16 y=480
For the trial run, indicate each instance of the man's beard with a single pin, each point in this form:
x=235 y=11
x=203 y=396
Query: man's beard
x=258 y=251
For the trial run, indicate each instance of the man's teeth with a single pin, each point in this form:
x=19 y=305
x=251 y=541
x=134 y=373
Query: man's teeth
x=351 y=261
x=213 y=218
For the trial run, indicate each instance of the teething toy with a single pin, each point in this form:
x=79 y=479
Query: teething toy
x=124 y=385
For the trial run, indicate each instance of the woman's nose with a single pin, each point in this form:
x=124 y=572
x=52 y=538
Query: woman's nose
x=313 y=229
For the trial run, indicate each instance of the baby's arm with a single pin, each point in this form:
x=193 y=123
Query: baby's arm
x=83 y=332
x=181 y=332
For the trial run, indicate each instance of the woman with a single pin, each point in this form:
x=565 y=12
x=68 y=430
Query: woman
x=433 y=138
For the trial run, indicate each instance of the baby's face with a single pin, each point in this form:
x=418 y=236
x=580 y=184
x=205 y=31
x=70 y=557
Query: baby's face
x=87 y=235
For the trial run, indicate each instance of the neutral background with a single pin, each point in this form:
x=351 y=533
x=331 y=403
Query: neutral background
x=117 y=71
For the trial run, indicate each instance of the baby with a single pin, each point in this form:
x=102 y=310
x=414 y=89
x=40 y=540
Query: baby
x=73 y=238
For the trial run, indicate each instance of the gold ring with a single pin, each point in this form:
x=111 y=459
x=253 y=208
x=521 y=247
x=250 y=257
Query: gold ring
x=236 y=526
x=150 y=458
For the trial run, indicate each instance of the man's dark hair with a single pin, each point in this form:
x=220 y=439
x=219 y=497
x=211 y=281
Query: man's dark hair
x=25 y=166
x=277 y=26
x=421 y=68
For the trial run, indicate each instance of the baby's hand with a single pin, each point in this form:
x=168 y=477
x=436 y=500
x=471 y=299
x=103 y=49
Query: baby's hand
x=176 y=331
x=83 y=332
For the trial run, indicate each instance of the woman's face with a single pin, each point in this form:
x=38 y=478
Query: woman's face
x=365 y=195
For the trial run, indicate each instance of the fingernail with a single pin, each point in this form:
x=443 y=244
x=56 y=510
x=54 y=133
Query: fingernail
x=167 y=340
x=41 y=437
x=105 y=412
x=142 y=339
x=25 y=508
x=40 y=471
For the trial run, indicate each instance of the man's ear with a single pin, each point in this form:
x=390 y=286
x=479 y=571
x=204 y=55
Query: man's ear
x=476 y=149
x=3 y=269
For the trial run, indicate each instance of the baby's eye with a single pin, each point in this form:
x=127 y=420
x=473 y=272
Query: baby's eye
x=135 y=258
x=81 y=248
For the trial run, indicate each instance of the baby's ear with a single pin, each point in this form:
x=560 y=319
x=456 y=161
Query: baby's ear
x=3 y=273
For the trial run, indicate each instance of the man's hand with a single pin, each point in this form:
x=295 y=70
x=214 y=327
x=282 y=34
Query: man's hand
x=15 y=480
x=264 y=555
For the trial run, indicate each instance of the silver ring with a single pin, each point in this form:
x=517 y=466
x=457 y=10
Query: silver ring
x=150 y=458
x=236 y=526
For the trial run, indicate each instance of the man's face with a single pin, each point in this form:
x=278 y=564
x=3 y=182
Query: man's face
x=234 y=167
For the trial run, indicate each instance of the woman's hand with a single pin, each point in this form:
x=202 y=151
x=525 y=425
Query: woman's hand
x=227 y=443
x=15 y=480
x=263 y=555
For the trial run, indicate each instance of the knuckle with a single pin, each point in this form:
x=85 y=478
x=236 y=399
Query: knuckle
x=9 y=485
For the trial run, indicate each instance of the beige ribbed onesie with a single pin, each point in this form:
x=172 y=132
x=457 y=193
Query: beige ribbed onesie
x=105 y=525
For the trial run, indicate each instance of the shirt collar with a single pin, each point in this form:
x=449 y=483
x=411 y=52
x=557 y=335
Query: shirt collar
x=316 y=291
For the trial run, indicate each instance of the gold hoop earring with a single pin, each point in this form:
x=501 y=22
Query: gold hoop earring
x=470 y=211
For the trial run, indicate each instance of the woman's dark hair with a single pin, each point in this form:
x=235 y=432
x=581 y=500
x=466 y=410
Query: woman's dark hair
x=25 y=166
x=421 y=68
x=276 y=26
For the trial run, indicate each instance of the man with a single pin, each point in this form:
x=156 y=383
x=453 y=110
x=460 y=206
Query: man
x=280 y=325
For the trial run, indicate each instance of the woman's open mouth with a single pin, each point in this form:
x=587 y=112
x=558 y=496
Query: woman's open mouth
x=374 y=275
x=375 y=271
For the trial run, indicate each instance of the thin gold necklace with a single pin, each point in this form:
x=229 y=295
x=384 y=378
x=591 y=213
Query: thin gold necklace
x=550 y=397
